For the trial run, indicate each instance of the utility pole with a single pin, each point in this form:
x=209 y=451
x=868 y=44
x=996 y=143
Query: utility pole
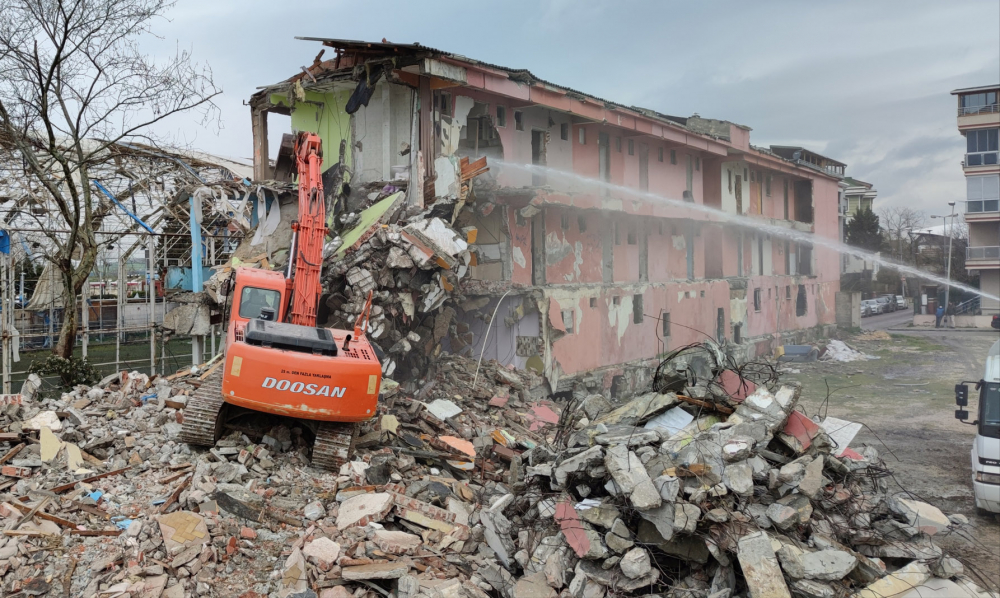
x=947 y=290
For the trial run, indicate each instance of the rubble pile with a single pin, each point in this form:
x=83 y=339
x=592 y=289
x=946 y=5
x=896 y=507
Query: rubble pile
x=470 y=483
x=412 y=263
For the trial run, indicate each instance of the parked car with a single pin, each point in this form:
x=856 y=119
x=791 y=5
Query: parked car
x=874 y=307
x=900 y=302
x=888 y=305
x=866 y=310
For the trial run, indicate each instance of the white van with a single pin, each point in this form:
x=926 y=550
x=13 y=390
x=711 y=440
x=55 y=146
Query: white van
x=986 y=446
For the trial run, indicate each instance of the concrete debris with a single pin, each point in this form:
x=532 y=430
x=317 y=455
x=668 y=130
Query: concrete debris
x=635 y=563
x=453 y=494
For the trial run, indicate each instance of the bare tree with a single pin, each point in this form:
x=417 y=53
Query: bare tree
x=73 y=87
x=896 y=224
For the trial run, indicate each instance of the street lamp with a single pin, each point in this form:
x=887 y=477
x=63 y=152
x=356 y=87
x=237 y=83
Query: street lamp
x=947 y=289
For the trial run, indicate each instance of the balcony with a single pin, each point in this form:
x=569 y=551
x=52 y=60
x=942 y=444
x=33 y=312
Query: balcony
x=970 y=110
x=982 y=159
x=982 y=257
x=982 y=210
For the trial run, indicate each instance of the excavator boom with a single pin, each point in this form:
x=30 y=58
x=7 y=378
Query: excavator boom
x=309 y=232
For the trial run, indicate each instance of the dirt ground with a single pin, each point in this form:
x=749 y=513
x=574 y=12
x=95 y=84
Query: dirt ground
x=906 y=401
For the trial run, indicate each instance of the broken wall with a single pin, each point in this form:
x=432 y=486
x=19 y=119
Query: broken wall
x=323 y=114
x=607 y=327
x=381 y=131
x=515 y=331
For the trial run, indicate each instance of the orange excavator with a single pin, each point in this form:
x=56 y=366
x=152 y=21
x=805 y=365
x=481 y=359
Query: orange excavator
x=276 y=360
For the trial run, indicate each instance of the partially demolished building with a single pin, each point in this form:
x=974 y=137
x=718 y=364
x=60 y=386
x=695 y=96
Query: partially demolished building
x=567 y=257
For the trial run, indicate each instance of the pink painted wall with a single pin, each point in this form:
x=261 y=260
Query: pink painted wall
x=606 y=334
x=520 y=241
x=626 y=256
x=572 y=256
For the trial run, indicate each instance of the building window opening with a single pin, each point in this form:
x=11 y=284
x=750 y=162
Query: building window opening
x=788 y=291
x=581 y=223
x=444 y=104
x=737 y=333
x=767 y=185
x=616 y=300
x=593 y=302
x=801 y=303
x=659 y=154
x=567 y=318
x=501 y=116
x=744 y=175
x=631 y=235
x=618 y=144
x=637 y=309
x=665 y=324
x=565 y=221
x=756 y=299
x=518 y=120
x=564 y=131
x=583 y=136
x=981 y=147
x=673 y=157
x=631 y=147
x=786 y=199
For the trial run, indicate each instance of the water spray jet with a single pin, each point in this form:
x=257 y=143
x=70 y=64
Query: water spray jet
x=742 y=222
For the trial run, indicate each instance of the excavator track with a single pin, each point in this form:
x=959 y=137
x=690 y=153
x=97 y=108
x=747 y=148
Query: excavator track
x=202 y=412
x=334 y=445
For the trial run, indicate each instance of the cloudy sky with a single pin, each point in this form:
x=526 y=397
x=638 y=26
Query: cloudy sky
x=866 y=83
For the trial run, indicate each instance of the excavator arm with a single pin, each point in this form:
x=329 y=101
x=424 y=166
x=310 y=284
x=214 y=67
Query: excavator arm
x=309 y=232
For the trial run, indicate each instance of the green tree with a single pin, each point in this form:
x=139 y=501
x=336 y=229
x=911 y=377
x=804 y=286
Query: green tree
x=864 y=231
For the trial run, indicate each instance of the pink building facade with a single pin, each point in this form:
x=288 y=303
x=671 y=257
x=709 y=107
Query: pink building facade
x=596 y=276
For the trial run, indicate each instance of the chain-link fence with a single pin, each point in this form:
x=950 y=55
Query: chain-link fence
x=120 y=314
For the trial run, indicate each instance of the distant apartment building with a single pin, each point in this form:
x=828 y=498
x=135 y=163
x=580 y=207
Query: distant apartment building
x=979 y=123
x=590 y=284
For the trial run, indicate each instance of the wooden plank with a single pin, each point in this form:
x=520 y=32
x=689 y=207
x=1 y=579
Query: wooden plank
x=174 y=476
x=706 y=404
x=11 y=453
x=175 y=494
x=212 y=369
x=63 y=522
x=95 y=532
